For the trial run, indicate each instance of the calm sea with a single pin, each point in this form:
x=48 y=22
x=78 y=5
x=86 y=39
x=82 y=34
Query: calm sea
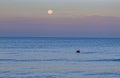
x=57 y=58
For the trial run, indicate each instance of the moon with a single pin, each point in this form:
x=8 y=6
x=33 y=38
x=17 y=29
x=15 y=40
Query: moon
x=50 y=12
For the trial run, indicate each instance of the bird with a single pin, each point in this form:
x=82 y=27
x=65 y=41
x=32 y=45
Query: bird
x=78 y=51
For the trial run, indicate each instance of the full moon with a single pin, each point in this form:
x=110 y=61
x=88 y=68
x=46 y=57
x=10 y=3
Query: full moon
x=50 y=11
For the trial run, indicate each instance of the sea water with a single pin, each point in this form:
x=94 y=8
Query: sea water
x=51 y=57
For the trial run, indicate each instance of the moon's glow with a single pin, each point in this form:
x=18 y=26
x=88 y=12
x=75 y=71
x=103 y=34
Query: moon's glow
x=50 y=12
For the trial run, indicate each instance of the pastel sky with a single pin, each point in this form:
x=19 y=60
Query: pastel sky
x=71 y=18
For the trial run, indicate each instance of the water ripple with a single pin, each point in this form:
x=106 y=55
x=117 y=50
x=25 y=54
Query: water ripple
x=66 y=60
x=105 y=73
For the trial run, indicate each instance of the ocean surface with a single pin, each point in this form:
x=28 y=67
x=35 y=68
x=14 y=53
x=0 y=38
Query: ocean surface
x=51 y=57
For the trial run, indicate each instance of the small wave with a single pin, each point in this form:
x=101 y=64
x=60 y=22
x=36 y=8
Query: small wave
x=88 y=52
x=105 y=73
x=44 y=76
x=106 y=60
x=2 y=72
x=32 y=60
x=66 y=60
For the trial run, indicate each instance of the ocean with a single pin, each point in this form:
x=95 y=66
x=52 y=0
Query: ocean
x=56 y=57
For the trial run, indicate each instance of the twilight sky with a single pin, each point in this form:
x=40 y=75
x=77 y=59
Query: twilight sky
x=78 y=18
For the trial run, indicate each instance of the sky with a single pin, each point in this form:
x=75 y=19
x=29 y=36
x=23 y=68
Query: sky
x=70 y=18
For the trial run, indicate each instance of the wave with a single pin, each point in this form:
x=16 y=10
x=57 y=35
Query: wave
x=66 y=60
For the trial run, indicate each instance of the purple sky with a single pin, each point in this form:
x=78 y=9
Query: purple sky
x=75 y=18
x=93 y=26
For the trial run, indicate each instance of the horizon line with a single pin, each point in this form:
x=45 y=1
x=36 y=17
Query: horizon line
x=51 y=37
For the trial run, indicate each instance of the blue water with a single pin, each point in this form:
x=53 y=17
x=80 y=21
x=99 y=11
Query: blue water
x=46 y=57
